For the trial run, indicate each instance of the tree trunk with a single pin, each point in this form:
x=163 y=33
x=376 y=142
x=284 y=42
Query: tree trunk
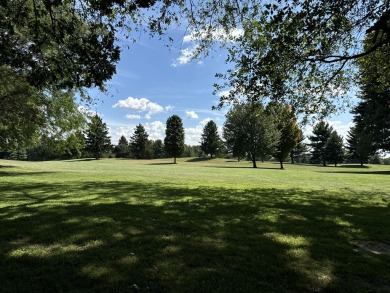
x=281 y=164
x=174 y=160
x=324 y=163
x=254 y=162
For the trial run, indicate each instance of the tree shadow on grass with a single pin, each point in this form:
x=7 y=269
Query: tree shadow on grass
x=80 y=160
x=194 y=160
x=357 y=166
x=120 y=236
x=361 y=172
x=18 y=174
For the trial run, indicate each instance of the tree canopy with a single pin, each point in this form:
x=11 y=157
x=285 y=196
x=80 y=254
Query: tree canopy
x=249 y=130
x=174 y=137
x=210 y=140
x=97 y=141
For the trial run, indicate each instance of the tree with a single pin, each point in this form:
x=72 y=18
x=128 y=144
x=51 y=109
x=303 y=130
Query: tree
x=158 y=149
x=372 y=113
x=174 y=137
x=321 y=133
x=138 y=142
x=359 y=145
x=333 y=150
x=296 y=52
x=287 y=125
x=122 y=150
x=300 y=149
x=26 y=112
x=210 y=140
x=249 y=130
x=97 y=140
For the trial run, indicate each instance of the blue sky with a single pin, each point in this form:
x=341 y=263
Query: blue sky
x=154 y=82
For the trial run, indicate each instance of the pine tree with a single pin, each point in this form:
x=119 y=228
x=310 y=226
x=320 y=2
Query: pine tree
x=333 y=150
x=158 y=149
x=321 y=134
x=122 y=149
x=138 y=142
x=174 y=137
x=97 y=140
x=210 y=140
x=359 y=145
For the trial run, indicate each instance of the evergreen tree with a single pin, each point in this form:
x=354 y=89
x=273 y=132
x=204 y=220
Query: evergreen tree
x=158 y=149
x=138 y=142
x=210 y=141
x=333 y=150
x=122 y=149
x=97 y=141
x=321 y=134
x=300 y=150
x=174 y=137
x=359 y=145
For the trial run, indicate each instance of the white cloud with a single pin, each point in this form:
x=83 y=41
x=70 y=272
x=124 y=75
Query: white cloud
x=186 y=56
x=148 y=116
x=191 y=115
x=155 y=129
x=140 y=105
x=223 y=93
x=169 y=108
x=204 y=121
x=132 y=116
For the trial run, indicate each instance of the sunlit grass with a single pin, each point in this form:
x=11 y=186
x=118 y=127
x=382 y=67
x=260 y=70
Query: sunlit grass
x=198 y=226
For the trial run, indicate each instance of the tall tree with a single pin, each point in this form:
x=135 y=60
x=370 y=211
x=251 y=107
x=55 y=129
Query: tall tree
x=372 y=113
x=174 y=137
x=122 y=149
x=251 y=131
x=321 y=134
x=359 y=145
x=210 y=140
x=97 y=141
x=333 y=150
x=287 y=125
x=138 y=142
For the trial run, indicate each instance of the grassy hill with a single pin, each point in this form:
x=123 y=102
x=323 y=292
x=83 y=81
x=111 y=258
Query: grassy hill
x=198 y=226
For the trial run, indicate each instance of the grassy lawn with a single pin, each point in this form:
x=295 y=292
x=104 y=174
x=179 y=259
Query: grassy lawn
x=198 y=226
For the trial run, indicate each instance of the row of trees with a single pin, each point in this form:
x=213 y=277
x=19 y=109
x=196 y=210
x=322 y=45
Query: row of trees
x=139 y=146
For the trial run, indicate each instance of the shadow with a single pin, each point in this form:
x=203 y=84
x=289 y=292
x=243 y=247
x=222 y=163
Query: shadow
x=18 y=174
x=194 y=160
x=357 y=166
x=124 y=236
x=165 y=163
x=7 y=166
x=360 y=172
x=243 y=167
x=80 y=160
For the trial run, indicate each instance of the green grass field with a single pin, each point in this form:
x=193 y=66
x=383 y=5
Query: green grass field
x=198 y=226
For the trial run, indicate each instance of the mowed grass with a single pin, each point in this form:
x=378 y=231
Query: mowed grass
x=198 y=226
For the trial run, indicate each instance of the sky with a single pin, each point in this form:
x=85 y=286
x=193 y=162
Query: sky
x=154 y=81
